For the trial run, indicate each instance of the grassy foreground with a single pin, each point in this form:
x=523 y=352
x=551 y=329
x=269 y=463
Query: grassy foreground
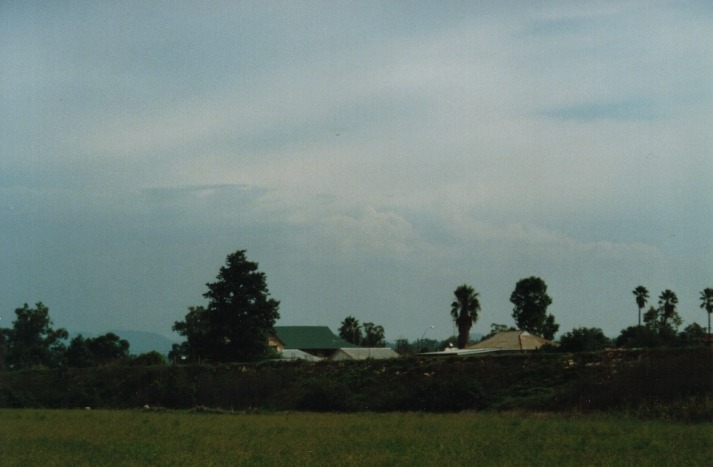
x=98 y=437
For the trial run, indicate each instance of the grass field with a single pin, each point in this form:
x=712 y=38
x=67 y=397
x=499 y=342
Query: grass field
x=97 y=437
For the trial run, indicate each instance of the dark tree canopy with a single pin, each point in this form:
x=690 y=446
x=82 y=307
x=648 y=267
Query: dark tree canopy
x=464 y=311
x=530 y=313
x=96 y=351
x=584 y=340
x=373 y=335
x=668 y=302
x=351 y=330
x=239 y=318
x=707 y=304
x=32 y=341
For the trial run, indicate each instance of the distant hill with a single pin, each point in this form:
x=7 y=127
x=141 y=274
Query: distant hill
x=143 y=341
x=139 y=341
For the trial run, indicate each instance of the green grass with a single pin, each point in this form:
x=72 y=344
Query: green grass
x=97 y=437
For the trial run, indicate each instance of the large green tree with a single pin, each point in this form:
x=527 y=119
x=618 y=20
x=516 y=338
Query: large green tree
x=464 y=311
x=194 y=328
x=239 y=317
x=642 y=297
x=351 y=331
x=96 y=351
x=530 y=313
x=32 y=341
x=707 y=304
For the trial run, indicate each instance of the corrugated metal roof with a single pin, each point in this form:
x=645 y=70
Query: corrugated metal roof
x=365 y=353
x=310 y=337
x=459 y=352
x=296 y=354
x=512 y=340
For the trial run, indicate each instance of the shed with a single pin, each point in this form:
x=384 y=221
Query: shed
x=316 y=340
x=296 y=354
x=364 y=353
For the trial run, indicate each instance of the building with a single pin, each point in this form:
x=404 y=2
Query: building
x=319 y=341
x=364 y=353
x=512 y=340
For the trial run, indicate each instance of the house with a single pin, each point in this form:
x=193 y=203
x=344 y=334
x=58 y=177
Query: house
x=319 y=341
x=512 y=340
x=364 y=353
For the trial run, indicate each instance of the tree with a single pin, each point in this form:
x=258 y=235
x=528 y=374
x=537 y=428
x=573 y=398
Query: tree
x=195 y=329
x=350 y=330
x=4 y=343
x=639 y=336
x=668 y=301
x=530 y=313
x=151 y=358
x=96 y=351
x=707 y=304
x=107 y=348
x=692 y=335
x=32 y=340
x=583 y=340
x=464 y=311
x=642 y=297
x=239 y=318
x=78 y=354
x=373 y=335
x=662 y=321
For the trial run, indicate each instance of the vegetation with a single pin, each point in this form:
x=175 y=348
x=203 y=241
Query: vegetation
x=464 y=311
x=350 y=330
x=667 y=315
x=366 y=335
x=96 y=351
x=31 y=437
x=239 y=318
x=530 y=313
x=373 y=335
x=707 y=304
x=642 y=297
x=584 y=340
x=32 y=341
x=675 y=383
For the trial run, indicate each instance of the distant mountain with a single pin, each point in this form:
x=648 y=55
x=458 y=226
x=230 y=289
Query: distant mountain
x=139 y=341
x=143 y=341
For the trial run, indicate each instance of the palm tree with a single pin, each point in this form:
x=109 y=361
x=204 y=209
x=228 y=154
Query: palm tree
x=642 y=296
x=668 y=301
x=464 y=311
x=707 y=304
x=350 y=330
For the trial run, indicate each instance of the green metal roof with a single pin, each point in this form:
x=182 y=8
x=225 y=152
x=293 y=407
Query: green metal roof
x=310 y=337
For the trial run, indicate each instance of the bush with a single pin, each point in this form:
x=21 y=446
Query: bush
x=584 y=340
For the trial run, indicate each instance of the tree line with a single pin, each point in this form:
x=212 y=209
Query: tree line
x=33 y=342
x=239 y=318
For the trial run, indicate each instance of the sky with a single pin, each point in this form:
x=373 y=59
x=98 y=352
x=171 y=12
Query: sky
x=370 y=156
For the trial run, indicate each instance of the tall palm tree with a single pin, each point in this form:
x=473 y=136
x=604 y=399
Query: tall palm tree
x=642 y=296
x=707 y=304
x=668 y=301
x=464 y=311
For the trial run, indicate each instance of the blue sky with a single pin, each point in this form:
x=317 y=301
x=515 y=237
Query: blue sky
x=370 y=156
